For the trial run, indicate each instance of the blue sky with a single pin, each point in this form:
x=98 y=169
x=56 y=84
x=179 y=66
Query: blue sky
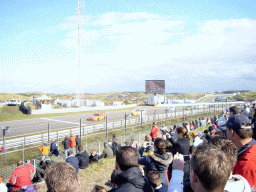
x=195 y=46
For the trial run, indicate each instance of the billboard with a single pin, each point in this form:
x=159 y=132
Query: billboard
x=220 y=100
x=155 y=86
x=184 y=101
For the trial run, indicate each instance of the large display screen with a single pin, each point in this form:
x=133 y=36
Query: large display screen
x=155 y=86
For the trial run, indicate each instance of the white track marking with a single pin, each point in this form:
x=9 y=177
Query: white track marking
x=62 y=121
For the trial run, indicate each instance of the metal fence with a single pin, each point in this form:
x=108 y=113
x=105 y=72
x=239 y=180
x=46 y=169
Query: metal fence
x=32 y=142
x=39 y=138
x=106 y=126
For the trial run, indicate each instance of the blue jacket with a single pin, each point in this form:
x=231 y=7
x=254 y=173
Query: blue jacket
x=131 y=180
x=74 y=162
x=158 y=163
x=54 y=146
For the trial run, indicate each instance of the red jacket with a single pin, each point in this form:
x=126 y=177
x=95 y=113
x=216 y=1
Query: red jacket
x=246 y=165
x=72 y=141
x=22 y=176
x=153 y=133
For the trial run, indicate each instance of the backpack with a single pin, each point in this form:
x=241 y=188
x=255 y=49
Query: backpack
x=30 y=188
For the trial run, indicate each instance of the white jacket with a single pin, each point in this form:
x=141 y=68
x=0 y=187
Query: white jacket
x=237 y=183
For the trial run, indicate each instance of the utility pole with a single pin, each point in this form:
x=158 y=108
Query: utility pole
x=80 y=28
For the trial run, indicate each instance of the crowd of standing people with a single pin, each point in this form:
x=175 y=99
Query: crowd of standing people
x=222 y=158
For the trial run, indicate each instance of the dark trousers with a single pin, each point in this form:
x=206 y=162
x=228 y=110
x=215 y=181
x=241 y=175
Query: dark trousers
x=224 y=133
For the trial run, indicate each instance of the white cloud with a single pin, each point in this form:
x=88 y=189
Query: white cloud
x=139 y=46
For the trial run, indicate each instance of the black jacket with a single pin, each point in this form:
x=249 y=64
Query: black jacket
x=78 y=141
x=115 y=148
x=83 y=159
x=182 y=145
x=93 y=158
x=66 y=143
x=131 y=180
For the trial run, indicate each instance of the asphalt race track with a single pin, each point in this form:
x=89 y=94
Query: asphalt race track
x=24 y=127
x=29 y=126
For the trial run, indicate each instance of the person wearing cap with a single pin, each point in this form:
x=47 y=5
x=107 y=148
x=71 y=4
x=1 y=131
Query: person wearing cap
x=240 y=133
x=45 y=151
x=197 y=140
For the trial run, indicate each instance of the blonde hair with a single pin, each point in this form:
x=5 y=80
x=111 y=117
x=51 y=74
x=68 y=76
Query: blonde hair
x=147 y=138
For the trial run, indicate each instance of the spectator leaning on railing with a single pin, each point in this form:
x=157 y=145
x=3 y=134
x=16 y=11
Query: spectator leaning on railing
x=240 y=133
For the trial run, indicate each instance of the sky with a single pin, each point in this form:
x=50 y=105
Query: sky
x=195 y=46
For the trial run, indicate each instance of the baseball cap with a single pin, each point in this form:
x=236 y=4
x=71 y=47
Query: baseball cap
x=199 y=133
x=238 y=121
x=194 y=134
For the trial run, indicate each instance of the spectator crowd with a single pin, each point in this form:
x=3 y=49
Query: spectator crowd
x=221 y=158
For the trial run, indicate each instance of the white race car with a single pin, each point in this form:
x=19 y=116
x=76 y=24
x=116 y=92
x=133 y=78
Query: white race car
x=13 y=102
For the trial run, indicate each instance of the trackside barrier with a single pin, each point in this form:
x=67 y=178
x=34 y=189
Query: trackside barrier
x=6 y=171
x=39 y=138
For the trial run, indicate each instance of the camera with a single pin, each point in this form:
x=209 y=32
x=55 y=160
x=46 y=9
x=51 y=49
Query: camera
x=187 y=157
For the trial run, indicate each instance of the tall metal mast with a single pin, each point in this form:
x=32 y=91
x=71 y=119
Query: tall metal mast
x=80 y=12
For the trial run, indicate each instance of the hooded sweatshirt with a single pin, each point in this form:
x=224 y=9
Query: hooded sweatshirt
x=237 y=183
x=158 y=163
x=131 y=180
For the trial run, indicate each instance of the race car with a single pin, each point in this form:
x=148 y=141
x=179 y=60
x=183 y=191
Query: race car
x=137 y=112
x=97 y=117
x=170 y=109
x=189 y=108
